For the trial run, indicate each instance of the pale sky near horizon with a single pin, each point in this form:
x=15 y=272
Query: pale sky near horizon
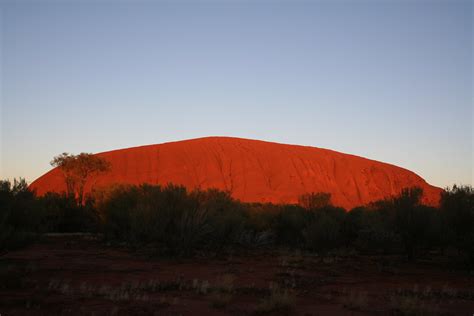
x=388 y=80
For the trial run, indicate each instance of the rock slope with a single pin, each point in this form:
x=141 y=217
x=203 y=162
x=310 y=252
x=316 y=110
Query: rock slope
x=253 y=171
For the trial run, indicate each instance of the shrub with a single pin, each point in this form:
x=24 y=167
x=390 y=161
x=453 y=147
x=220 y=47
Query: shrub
x=289 y=225
x=260 y=217
x=323 y=234
x=114 y=205
x=226 y=217
x=409 y=219
x=376 y=233
x=171 y=218
x=354 y=222
x=311 y=201
x=61 y=213
x=177 y=221
x=19 y=216
x=457 y=206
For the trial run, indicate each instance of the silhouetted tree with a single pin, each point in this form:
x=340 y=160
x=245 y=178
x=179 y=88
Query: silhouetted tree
x=311 y=201
x=323 y=233
x=411 y=219
x=457 y=205
x=289 y=224
x=19 y=216
x=77 y=169
x=62 y=213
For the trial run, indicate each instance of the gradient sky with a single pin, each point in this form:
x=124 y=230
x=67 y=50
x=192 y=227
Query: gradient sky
x=387 y=80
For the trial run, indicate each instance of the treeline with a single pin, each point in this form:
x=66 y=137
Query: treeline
x=23 y=215
x=174 y=221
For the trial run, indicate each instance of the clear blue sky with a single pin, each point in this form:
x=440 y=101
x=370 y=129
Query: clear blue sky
x=388 y=80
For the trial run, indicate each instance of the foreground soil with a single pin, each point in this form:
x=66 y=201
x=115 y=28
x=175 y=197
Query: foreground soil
x=80 y=275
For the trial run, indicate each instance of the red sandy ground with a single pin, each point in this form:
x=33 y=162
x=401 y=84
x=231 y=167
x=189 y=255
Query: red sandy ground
x=253 y=171
x=80 y=276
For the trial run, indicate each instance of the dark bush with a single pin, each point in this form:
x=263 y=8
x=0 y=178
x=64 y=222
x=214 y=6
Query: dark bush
x=171 y=218
x=354 y=223
x=114 y=207
x=416 y=225
x=324 y=231
x=289 y=224
x=227 y=218
x=323 y=234
x=19 y=215
x=167 y=218
x=409 y=219
x=457 y=207
x=311 y=201
x=376 y=232
x=61 y=213
x=176 y=221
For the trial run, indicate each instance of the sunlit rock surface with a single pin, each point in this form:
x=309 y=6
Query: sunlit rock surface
x=253 y=171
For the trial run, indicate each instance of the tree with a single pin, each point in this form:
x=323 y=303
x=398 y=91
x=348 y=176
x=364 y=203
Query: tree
x=77 y=169
x=19 y=216
x=289 y=224
x=457 y=206
x=311 y=201
x=411 y=219
x=323 y=233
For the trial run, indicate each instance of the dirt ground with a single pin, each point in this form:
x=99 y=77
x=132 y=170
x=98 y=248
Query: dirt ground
x=82 y=276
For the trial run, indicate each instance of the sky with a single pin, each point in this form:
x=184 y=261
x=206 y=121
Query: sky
x=386 y=80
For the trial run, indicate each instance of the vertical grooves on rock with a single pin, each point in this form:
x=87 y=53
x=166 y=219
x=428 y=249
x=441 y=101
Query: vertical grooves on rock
x=253 y=171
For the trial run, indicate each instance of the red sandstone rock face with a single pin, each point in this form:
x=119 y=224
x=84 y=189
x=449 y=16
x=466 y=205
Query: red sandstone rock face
x=253 y=171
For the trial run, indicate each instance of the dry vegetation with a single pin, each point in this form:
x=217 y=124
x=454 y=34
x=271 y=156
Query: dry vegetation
x=163 y=250
x=78 y=275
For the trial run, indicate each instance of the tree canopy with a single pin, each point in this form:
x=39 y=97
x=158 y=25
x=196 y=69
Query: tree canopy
x=77 y=169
